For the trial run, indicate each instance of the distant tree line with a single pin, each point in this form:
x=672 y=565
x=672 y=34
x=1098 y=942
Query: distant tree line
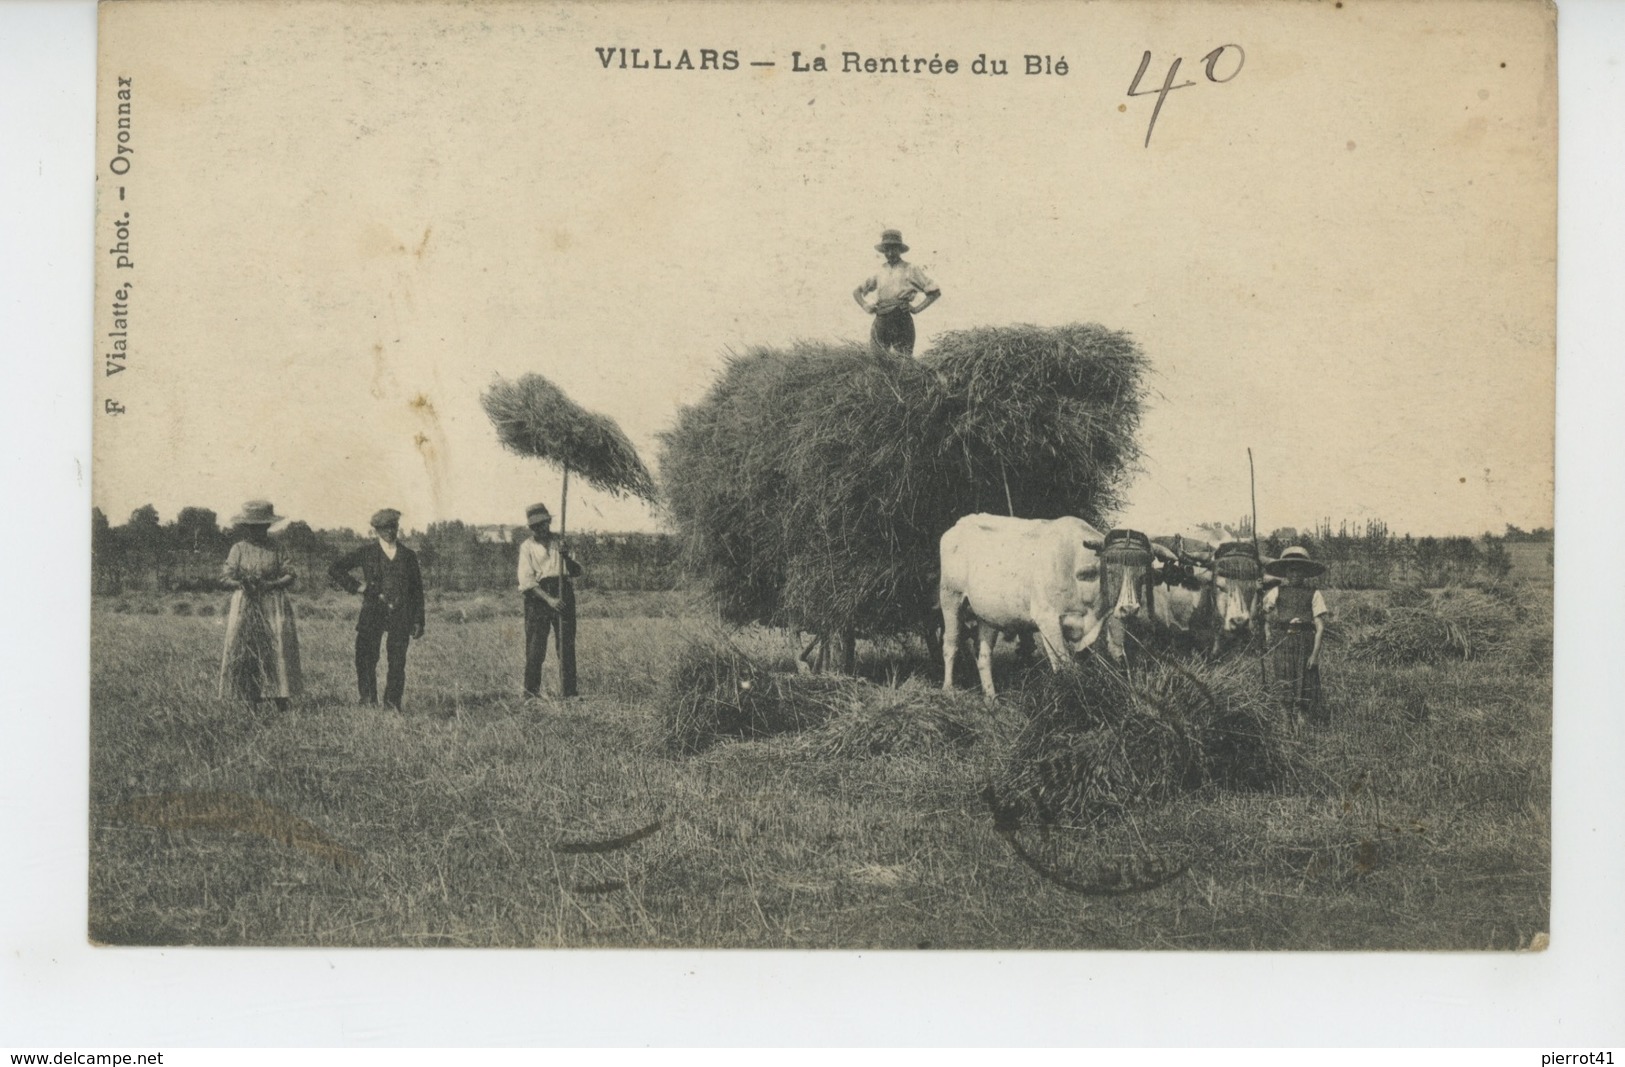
x=1539 y=535
x=185 y=554
x=1369 y=556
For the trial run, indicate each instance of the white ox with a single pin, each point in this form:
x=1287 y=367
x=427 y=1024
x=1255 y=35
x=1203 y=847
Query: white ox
x=1017 y=575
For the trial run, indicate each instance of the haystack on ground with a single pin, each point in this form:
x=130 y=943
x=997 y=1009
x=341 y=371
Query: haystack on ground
x=1101 y=740
x=810 y=487
x=1450 y=624
x=914 y=718
x=718 y=692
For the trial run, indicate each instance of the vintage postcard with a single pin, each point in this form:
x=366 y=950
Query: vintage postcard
x=812 y=475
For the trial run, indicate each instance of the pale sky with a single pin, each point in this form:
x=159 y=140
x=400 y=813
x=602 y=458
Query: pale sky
x=345 y=220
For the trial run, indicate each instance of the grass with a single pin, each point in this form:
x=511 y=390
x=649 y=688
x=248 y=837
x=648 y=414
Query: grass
x=1419 y=818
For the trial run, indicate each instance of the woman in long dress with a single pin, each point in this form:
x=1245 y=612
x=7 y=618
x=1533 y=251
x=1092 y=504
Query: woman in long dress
x=261 y=659
x=1294 y=623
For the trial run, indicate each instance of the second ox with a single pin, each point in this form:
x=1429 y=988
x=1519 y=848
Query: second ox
x=1211 y=598
x=1061 y=577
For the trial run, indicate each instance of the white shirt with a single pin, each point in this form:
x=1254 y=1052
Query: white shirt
x=894 y=286
x=537 y=561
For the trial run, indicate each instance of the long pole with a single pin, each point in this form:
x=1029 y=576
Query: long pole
x=1252 y=485
x=558 y=631
x=1263 y=651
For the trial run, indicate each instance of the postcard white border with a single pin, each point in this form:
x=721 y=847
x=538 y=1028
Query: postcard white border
x=57 y=992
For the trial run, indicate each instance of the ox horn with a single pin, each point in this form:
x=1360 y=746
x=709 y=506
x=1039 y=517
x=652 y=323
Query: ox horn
x=1093 y=546
x=1163 y=552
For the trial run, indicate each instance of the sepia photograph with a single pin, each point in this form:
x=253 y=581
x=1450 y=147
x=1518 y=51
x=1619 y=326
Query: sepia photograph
x=803 y=476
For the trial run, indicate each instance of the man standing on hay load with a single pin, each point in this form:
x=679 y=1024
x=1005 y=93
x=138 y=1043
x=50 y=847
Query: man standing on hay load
x=391 y=589
x=1294 y=623
x=549 y=603
x=894 y=286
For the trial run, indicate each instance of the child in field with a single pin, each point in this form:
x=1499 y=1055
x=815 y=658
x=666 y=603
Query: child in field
x=1294 y=624
x=261 y=658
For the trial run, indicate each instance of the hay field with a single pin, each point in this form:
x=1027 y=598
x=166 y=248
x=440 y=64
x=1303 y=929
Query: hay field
x=1420 y=818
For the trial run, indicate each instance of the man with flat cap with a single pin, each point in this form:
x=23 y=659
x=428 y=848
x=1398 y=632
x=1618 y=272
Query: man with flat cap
x=391 y=589
x=550 y=603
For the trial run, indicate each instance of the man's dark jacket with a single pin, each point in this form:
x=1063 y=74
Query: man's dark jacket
x=393 y=595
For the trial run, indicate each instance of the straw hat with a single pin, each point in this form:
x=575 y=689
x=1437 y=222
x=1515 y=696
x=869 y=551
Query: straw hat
x=1294 y=563
x=258 y=513
x=891 y=239
x=385 y=517
x=537 y=513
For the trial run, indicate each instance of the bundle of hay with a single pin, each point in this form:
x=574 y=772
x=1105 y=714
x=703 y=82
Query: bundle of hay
x=1047 y=415
x=1410 y=595
x=913 y=719
x=1363 y=613
x=810 y=486
x=534 y=418
x=1101 y=740
x=1457 y=624
x=716 y=691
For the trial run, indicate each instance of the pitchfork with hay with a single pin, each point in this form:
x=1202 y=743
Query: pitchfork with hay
x=534 y=418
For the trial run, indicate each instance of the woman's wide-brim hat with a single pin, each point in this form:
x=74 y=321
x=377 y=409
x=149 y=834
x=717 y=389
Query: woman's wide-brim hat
x=891 y=239
x=1294 y=563
x=258 y=513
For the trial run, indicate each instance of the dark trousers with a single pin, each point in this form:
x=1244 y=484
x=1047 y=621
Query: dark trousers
x=894 y=330
x=540 y=619
x=395 y=641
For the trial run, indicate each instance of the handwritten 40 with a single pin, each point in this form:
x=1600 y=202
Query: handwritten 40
x=1211 y=60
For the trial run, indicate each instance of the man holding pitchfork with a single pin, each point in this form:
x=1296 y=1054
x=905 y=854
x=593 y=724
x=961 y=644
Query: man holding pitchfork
x=545 y=570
